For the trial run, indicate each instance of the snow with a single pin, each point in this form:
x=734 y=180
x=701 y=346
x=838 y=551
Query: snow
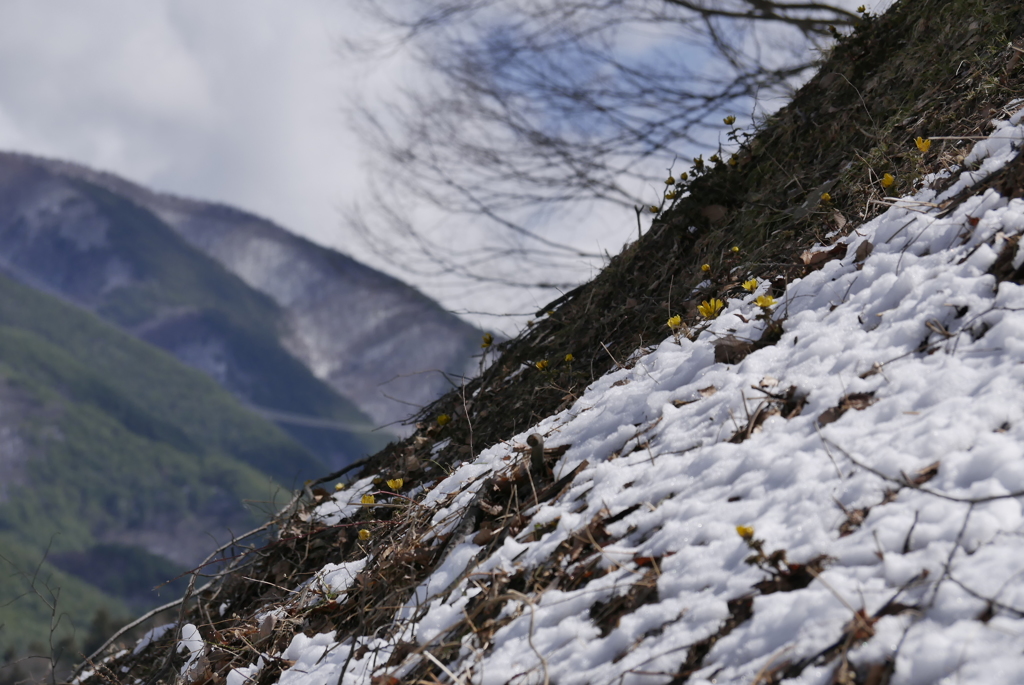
x=336 y=579
x=246 y=674
x=192 y=642
x=922 y=327
x=345 y=503
x=88 y=673
x=151 y=636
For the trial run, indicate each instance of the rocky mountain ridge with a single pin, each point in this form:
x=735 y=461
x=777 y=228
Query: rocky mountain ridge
x=364 y=333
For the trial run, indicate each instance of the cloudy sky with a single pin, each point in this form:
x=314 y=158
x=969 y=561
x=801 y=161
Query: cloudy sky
x=237 y=101
x=234 y=100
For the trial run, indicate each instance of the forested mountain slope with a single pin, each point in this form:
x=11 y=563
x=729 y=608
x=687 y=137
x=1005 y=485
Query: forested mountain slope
x=119 y=466
x=100 y=250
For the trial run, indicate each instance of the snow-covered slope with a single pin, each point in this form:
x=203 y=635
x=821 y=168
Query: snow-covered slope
x=841 y=506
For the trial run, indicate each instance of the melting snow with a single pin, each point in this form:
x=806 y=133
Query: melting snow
x=934 y=350
x=192 y=642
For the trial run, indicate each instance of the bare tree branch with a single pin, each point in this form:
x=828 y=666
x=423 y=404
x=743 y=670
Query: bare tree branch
x=523 y=110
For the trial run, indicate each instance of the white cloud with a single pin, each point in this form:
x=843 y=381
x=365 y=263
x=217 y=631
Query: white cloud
x=237 y=101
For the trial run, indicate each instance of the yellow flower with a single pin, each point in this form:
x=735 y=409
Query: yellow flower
x=488 y=340
x=714 y=158
x=368 y=500
x=443 y=420
x=683 y=176
x=825 y=197
x=670 y=195
x=710 y=309
x=887 y=180
x=705 y=267
x=569 y=357
x=396 y=483
x=699 y=162
x=745 y=532
x=675 y=322
x=542 y=364
x=653 y=209
x=735 y=249
x=734 y=160
x=751 y=285
x=364 y=534
x=669 y=181
x=765 y=301
x=338 y=487
x=923 y=144
x=862 y=9
x=729 y=120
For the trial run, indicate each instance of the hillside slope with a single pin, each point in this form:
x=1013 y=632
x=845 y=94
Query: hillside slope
x=366 y=334
x=812 y=476
x=101 y=251
x=192 y=408
x=120 y=466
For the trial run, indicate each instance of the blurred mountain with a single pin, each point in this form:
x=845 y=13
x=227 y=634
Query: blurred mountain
x=367 y=335
x=119 y=466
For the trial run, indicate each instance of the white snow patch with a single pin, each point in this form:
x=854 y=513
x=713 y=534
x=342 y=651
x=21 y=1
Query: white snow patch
x=336 y=579
x=246 y=674
x=151 y=636
x=191 y=641
x=922 y=330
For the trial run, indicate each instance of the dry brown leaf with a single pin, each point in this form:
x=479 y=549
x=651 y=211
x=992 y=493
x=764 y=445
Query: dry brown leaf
x=863 y=251
x=730 y=349
x=267 y=627
x=485 y=535
x=840 y=220
x=924 y=475
x=857 y=400
x=816 y=260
